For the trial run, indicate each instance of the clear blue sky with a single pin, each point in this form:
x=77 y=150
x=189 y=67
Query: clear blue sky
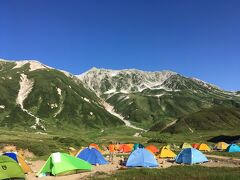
x=199 y=38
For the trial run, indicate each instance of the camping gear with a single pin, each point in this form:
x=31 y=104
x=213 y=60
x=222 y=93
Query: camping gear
x=92 y=155
x=20 y=161
x=195 y=145
x=233 y=148
x=203 y=147
x=165 y=152
x=141 y=158
x=152 y=148
x=59 y=163
x=221 y=146
x=185 y=145
x=191 y=156
x=94 y=146
x=9 y=169
x=125 y=148
x=136 y=146
x=72 y=151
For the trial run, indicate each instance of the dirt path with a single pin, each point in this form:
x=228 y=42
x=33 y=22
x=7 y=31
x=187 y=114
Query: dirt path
x=169 y=124
x=222 y=157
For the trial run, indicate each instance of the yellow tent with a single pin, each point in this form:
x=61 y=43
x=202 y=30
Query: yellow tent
x=221 y=146
x=186 y=145
x=204 y=147
x=72 y=151
x=23 y=164
x=166 y=153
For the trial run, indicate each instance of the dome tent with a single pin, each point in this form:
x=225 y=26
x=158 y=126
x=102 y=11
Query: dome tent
x=10 y=169
x=191 y=156
x=166 y=153
x=141 y=158
x=20 y=161
x=221 y=146
x=59 y=163
x=92 y=155
x=233 y=148
x=152 y=148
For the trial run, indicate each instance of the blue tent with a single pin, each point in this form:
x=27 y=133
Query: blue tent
x=191 y=156
x=233 y=148
x=141 y=158
x=92 y=155
x=11 y=155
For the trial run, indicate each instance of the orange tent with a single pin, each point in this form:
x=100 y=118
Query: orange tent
x=152 y=148
x=195 y=145
x=131 y=146
x=125 y=148
x=94 y=146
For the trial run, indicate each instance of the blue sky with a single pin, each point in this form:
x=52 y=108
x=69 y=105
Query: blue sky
x=197 y=38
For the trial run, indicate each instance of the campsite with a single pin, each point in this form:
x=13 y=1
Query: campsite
x=165 y=158
x=119 y=89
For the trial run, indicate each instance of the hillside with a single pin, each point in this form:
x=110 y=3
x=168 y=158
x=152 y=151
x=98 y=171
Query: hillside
x=35 y=96
x=146 y=98
x=215 y=118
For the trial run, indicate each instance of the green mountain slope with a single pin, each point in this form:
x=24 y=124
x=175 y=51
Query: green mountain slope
x=146 y=98
x=215 y=118
x=50 y=99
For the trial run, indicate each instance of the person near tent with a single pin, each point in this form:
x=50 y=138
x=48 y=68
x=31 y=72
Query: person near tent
x=111 y=149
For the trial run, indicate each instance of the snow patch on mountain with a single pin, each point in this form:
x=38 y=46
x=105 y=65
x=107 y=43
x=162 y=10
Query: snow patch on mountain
x=34 y=65
x=26 y=86
x=205 y=84
x=111 y=110
x=59 y=91
x=106 y=81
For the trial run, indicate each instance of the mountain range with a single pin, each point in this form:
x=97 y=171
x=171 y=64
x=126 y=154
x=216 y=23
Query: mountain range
x=36 y=97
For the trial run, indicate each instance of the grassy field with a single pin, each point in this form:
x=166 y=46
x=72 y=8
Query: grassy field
x=175 y=172
x=43 y=145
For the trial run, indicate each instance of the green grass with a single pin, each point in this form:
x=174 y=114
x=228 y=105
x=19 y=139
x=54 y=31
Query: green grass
x=175 y=172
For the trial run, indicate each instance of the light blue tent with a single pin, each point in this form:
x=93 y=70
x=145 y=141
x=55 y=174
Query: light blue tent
x=92 y=155
x=233 y=148
x=141 y=158
x=191 y=156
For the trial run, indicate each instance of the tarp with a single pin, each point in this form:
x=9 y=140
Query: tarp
x=59 y=163
x=92 y=155
x=191 y=156
x=141 y=158
x=233 y=148
x=9 y=169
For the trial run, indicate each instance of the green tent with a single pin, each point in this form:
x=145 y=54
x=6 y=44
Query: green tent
x=62 y=163
x=186 y=145
x=136 y=146
x=9 y=169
